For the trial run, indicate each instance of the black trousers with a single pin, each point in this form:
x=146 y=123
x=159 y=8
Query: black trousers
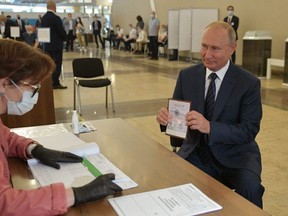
x=245 y=182
x=57 y=58
x=96 y=36
x=128 y=44
x=70 y=40
x=153 y=46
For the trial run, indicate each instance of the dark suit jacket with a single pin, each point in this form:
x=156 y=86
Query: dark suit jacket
x=99 y=25
x=57 y=31
x=234 y=23
x=236 y=118
x=8 y=24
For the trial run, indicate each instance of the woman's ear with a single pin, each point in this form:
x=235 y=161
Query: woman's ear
x=3 y=82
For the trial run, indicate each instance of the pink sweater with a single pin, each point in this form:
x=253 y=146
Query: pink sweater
x=49 y=200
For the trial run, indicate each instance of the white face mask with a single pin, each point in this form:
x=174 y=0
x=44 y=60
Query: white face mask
x=230 y=12
x=23 y=106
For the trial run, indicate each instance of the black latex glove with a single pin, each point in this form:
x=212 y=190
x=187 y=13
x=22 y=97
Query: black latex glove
x=101 y=187
x=50 y=157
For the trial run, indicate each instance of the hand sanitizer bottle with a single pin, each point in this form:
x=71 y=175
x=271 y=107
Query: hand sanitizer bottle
x=75 y=122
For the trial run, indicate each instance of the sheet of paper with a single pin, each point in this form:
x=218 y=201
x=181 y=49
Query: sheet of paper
x=40 y=131
x=75 y=174
x=43 y=35
x=183 y=200
x=15 y=31
x=177 y=123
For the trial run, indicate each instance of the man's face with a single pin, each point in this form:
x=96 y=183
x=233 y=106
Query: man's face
x=216 y=49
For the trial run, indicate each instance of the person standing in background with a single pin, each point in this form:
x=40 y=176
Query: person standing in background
x=80 y=34
x=70 y=27
x=38 y=21
x=21 y=25
x=8 y=23
x=154 y=25
x=96 y=26
x=57 y=36
x=234 y=22
x=140 y=22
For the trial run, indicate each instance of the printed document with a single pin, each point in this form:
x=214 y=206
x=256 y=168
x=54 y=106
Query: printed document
x=76 y=174
x=183 y=200
x=177 y=123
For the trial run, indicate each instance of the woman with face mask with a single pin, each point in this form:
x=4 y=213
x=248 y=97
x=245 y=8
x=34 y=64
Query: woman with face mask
x=22 y=68
x=80 y=34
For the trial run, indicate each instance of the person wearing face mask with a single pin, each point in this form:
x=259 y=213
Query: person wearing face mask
x=119 y=36
x=80 y=34
x=96 y=26
x=131 y=38
x=22 y=68
x=234 y=22
x=154 y=25
x=140 y=41
x=30 y=37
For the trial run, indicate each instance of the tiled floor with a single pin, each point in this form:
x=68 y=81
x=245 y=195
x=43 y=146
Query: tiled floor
x=142 y=86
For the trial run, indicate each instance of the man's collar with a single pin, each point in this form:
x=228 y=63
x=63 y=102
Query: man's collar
x=48 y=10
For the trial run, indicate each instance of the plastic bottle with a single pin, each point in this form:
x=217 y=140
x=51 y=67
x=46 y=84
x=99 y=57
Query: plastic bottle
x=75 y=122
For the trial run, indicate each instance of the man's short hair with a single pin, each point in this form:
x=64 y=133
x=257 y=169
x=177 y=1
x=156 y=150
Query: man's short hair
x=230 y=7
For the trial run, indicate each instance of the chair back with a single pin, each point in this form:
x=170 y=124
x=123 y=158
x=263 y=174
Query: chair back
x=87 y=67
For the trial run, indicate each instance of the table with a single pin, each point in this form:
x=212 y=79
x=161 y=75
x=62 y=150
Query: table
x=273 y=62
x=149 y=164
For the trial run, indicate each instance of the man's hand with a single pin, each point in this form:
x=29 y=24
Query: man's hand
x=163 y=116
x=101 y=187
x=50 y=157
x=196 y=121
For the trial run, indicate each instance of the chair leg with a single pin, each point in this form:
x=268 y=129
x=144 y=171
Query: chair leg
x=79 y=100
x=106 y=99
x=74 y=95
x=112 y=98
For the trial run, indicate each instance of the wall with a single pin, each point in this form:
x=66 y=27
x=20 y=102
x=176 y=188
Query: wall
x=265 y=15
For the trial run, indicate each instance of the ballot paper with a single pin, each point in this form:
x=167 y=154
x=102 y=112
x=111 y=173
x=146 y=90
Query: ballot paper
x=76 y=174
x=183 y=200
x=177 y=122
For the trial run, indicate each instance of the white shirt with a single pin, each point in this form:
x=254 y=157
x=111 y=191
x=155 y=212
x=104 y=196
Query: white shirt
x=142 y=37
x=132 y=33
x=218 y=81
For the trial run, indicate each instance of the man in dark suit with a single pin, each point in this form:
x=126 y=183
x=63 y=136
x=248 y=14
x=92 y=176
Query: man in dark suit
x=22 y=27
x=96 y=26
x=222 y=145
x=57 y=36
x=8 y=23
x=234 y=22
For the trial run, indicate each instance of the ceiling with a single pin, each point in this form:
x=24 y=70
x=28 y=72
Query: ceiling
x=59 y=2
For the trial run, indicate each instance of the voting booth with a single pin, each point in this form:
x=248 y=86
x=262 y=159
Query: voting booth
x=285 y=77
x=256 y=51
x=185 y=27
